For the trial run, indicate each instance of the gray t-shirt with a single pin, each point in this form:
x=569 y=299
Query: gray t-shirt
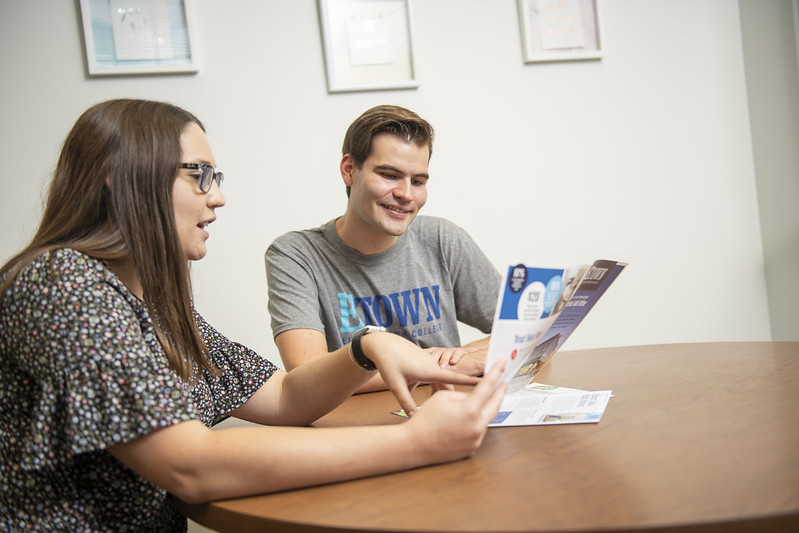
x=434 y=276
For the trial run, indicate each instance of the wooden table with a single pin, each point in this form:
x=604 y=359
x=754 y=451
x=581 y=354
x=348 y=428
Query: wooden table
x=698 y=437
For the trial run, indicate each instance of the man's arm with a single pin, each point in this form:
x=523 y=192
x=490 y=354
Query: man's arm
x=294 y=304
x=300 y=346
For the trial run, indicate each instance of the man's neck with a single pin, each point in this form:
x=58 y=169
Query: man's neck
x=365 y=241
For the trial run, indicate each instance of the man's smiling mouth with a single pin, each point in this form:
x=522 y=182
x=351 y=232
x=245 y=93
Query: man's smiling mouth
x=396 y=209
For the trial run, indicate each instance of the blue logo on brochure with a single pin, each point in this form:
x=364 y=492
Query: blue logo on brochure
x=554 y=288
x=517 y=280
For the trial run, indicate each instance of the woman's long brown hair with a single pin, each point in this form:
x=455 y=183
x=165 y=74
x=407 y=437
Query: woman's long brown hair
x=111 y=197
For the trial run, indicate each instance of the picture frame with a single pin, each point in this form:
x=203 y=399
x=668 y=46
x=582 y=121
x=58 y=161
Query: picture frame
x=368 y=44
x=559 y=30
x=138 y=37
x=796 y=27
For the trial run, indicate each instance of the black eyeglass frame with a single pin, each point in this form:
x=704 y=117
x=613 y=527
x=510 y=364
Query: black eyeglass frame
x=208 y=175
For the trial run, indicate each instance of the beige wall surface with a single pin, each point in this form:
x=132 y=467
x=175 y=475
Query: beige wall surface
x=676 y=152
x=644 y=156
x=772 y=80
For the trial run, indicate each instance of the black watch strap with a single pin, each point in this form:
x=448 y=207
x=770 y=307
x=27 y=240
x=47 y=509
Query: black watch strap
x=356 y=350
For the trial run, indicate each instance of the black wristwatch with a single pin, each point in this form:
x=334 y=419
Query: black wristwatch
x=357 y=352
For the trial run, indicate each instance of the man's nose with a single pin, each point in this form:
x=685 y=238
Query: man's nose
x=403 y=189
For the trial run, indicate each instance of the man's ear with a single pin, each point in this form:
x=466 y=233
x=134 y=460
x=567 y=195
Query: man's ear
x=347 y=167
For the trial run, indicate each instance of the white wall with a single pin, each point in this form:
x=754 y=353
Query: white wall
x=772 y=80
x=644 y=156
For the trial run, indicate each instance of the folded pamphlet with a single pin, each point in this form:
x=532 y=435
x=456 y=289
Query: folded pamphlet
x=537 y=310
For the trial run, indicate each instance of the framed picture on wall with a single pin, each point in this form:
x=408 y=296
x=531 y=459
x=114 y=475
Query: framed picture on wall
x=367 y=44
x=796 y=25
x=559 y=30
x=138 y=36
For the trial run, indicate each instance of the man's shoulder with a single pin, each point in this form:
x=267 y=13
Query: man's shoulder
x=427 y=226
x=298 y=238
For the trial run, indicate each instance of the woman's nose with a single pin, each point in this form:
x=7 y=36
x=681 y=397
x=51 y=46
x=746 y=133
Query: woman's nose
x=215 y=197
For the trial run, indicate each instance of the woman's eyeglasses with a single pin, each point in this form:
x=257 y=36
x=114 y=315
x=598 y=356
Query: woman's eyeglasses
x=207 y=175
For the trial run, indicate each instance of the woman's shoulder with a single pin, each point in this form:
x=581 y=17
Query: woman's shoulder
x=60 y=272
x=64 y=265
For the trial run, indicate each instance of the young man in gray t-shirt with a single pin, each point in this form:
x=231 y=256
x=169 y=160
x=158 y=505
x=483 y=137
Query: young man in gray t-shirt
x=379 y=265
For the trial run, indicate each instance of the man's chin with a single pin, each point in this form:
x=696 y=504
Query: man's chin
x=396 y=228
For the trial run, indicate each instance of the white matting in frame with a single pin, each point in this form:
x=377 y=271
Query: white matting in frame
x=368 y=44
x=559 y=30
x=138 y=36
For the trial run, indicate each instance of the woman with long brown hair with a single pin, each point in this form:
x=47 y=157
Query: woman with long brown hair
x=110 y=379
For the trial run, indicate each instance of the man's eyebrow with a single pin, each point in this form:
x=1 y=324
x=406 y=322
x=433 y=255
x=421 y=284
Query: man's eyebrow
x=394 y=169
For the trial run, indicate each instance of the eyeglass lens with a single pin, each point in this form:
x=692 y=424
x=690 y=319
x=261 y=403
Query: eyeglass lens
x=208 y=176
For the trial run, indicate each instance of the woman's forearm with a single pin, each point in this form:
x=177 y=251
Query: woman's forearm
x=198 y=464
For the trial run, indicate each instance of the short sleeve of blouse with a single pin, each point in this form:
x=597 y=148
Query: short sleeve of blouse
x=88 y=363
x=241 y=373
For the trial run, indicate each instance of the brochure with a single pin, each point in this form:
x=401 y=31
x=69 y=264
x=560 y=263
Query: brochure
x=543 y=405
x=538 y=309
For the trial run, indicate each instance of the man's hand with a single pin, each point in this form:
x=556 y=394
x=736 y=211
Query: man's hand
x=469 y=359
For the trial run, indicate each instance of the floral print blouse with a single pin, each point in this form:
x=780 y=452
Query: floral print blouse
x=81 y=369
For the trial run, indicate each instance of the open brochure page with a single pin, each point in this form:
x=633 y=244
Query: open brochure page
x=543 y=405
x=531 y=298
x=598 y=278
x=538 y=309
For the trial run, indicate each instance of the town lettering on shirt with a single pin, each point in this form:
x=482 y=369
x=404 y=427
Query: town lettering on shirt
x=405 y=309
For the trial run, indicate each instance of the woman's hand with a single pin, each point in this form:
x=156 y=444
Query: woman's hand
x=403 y=366
x=451 y=425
